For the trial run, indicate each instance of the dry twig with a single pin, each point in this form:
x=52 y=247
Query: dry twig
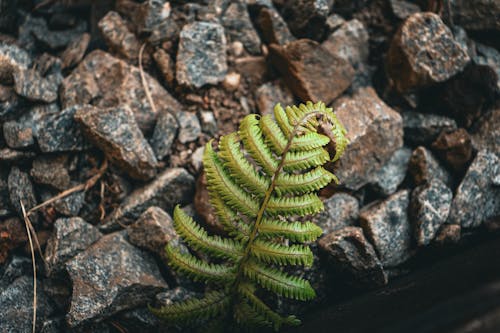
x=29 y=227
x=143 y=79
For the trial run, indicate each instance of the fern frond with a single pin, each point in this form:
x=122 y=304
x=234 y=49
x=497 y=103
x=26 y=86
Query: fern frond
x=213 y=304
x=279 y=282
x=274 y=253
x=198 y=238
x=303 y=183
x=197 y=269
x=294 y=231
x=282 y=120
x=301 y=160
x=231 y=223
x=246 y=316
x=274 y=137
x=306 y=204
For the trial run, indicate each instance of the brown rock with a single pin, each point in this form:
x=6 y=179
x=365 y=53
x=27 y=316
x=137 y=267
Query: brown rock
x=375 y=132
x=118 y=37
x=349 y=42
x=12 y=235
x=476 y=15
x=31 y=85
x=115 y=131
x=311 y=72
x=12 y=59
x=75 y=51
x=166 y=66
x=454 y=147
x=271 y=93
x=51 y=171
x=424 y=52
x=203 y=207
x=448 y=234
x=486 y=132
x=423 y=167
x=273 y=27
x=254 y=70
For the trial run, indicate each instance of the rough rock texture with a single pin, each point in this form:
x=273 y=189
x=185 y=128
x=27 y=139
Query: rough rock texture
x=118 y=37
x=448 y=234
x=271 y=93
x=12 y=59
x=70 y=205
x=387 y=226
x=12 y=235
x=17 y=135
x=402 y=9
x=21 y=189
x=166 y=65
x=454 y=147
x=29 y=84
x=201 y=58
x=273 y=27
x=306 y=18
x=151 y=14
x=424 y=52
x=424 y=128
x=189 y=126
x=115 y=131
x=375 y=132
x=70 y=237
x=208 y=122
x=75 y=51
x=109 y=277
x=424 y=166
x=164 y=134
x=152 y=230
x=476 y=15
x=392 y=174
x=429 y=208
x=341 y=210
x=14 y=268
x=311 y=72
x=486 y=132
x=105 y=81
x=351 y=254
x=477 y=198
x=238 y=26
x=172 y=186
x=486 y=55
x=51 y=171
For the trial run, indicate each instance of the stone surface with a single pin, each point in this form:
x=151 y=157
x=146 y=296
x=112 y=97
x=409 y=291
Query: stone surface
x=208 y=122
x=486 y=55
x=164 y=135
x=424 y=52
x=70 y=205
x=476 y=15
x=12 y=235
x=105 y=81
x=151 y=14
x=454 y=147
x=477 y=198
x=189 y=126
x=486 y=132
x=306 y=18
x=12 y=59
x=115 y=131
x=153 y=230
x=29 y=84
x=424 y=128
x=352 y=255
x=166 y=65
x=17 y=135
x=75 y=51
x=424 y=166
x=311 y=72
x=118 y=37
x=273 y=27
x=448 y=234
x=69 y=237
x=341 y=210
x=109 y=277
x=14 y=268
x=402 y=9
x=271 y=93
x=375 y=132
x=239 y=27
x=429 y=208
x=392 y=174
x=387 y=226
x=171 y=187
x=201 y=58
x=49 y=170
x=21 y=189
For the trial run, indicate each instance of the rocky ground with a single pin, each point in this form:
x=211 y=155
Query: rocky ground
x=110 y=103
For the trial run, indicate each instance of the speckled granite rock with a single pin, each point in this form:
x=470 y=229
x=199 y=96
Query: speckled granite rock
x=31 y=85
x=75 y=51
x=239 y=27
x=118 y=37
x=306 y=18
x=12 y=59
x=486 y=132
x=341 y=210
x=454 y=147
x=476 y=15
x=448 y=234
x=274 y=28
x=392 y=174
x=17 y=135
x=189 y=126
x=52 y=171
x=21 y=189
x=424 y=128
x=164 y=134
x=424 y=166
x=271 y=93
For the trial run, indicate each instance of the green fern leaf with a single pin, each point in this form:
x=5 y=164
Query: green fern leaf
x=273 y=253
x=307 y=204
x=294 y=231
x=303 y=183
x=301 y=160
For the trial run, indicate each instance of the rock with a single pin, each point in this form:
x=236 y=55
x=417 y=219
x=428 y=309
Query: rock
x=118 y=37
x=208 y=122
x=70 y=205
x=166 y=33
x=375 y=132
x=69 y=237
x=454 y=147
x=387 y=226
x=164 y=135
x=166 y=66
x=231 y=81
x=189 y=126
x=424 y=166
x=105 y=81
x=10 y=103
x=341 y=210
x=273 y=27
x=271 y=93
x=8 y=155
x=140 y=320
x=352 y=255
x=424 y=128
x=8 y=21
x=12 y=235
x=12 y=59
x=402 y=9
x=392 y=174
x=51 y=171
x=16 y=302
x=201 y=58
x=59 y=132
x=311 y=72
x=115 y=131
x=333 y=22
x=306 y=18
x=423 y=52
x=448 y=234
x=477 y=198
x=486 y=132
x=489 y=56
x=21 y=189
x=171 y=187
x=239 y=27
x=204 y=208
x=16 y=267
x=29 y=84
x=477 y=15
x=152 y=231
x=429 y=209
x=75 y=51
x=348 y=7
x=173 y=296
x=109 y=277
x=197 y=158
x=17 y=135
x=48 y=65
x=151 y=14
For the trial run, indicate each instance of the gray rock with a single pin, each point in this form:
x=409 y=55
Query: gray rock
x=375 y=132
x=75 y=51
x=485 y=134
x=201 y=58
x=31 y=85
x=429 y=208
x=16 y=267
x=477 y=198
x=71 y=204
x=17 y=135
x=352 y=255
x=423 y=167
x=333 y=22
x=12 y=59
x=239 y=27
x=341 y=210
x=273 y=27
x=167 y=31
x=424 y=128
x=306 y=18
x=49 y=170
x=21 y=189
x=402 y=9
x=271 y=93
x=109 y=277
x=141 y=320
x=197 y=159
x=476 y=15
x=486 y=55
x=115 y=131
x=151 y=14
x=174 y=295
x=69 y=237
x=208 y=122
x=118 y=37
x=387 y=226
x=448 y=234
x=171 y=187
x=164 y=135
x=392 y=174
x=189 y=126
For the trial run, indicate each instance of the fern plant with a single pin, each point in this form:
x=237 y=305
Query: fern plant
x=259 y=180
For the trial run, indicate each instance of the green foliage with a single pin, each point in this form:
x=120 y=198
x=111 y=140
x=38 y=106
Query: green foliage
x=259 y=180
